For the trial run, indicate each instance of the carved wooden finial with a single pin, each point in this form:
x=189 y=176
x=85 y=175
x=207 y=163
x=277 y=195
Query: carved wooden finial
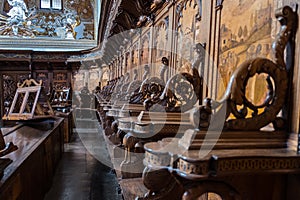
x=288 y=20
x=30 y=82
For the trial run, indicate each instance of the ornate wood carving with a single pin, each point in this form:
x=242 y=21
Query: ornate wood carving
x=182 y=90
x=183 y=6
x=25 y=103
x=223 y=190
x=9 y=88
x=133 y=87
x=143 y=6
x=127 y=15
x=235 y=95
x=176 y=97
x=125 y=19
x=158 y=189
x=150 y=87
x=60 y=80
x=60 y=99
x=209 y=165
x=105 y=93
x=8 y=93
x=43 y=76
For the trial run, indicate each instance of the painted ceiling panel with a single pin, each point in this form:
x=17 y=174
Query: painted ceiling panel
x=24 y=22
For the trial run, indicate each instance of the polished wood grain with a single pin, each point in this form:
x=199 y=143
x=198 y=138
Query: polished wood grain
x=40 y=147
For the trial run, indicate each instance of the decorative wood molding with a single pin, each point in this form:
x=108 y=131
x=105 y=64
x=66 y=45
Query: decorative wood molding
x=29 y=82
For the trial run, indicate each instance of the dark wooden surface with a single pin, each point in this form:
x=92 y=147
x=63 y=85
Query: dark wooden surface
x=40 y=147
x=132 y=188
x=68 y=124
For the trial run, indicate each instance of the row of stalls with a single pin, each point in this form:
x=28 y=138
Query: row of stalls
x=196 y=103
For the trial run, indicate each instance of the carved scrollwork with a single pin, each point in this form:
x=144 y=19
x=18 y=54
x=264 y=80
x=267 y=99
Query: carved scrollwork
x=30 y=82
x=150 y=87
x=106 y=92
x=143 y=6
x=117 y=87
x=235 y=95
x=167 y=189
x=128 y=88
x=133 y=86
x=8 y=93
x=125 y=19
x=223 y=190
x=186 y=4
x=182 y=90
x=178 y=94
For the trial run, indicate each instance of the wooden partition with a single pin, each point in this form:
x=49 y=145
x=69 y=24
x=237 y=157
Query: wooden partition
x=40 y=147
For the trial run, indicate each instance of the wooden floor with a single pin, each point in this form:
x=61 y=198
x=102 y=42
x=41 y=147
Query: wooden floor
x=80 y=176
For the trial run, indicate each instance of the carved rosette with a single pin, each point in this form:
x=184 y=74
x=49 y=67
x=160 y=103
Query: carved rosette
x=149 y=87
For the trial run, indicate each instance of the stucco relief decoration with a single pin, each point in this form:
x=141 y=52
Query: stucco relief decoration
x=24 y=21
x=84 y=8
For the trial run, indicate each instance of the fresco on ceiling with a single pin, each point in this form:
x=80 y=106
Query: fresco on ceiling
x=245 y=33
x=22 y=18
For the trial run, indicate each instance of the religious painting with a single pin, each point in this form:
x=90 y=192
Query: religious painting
x=134 y=56
x=93 y=78
x=25 y=18
x=245 y=33
x=145 y=49
x=161 y=41
x=79 y=79
x=188 y=20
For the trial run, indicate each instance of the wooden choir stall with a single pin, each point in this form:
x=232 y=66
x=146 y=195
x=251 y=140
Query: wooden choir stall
x=233 y=158
x=170 y=132
x=193 y=99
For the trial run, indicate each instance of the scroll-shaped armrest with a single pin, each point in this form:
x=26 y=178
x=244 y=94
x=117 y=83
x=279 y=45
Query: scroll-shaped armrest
x=10 y=147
